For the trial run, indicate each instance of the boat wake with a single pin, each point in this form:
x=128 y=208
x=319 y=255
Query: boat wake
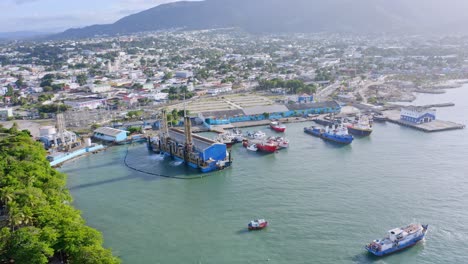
x=176 y=163
x=157 y=157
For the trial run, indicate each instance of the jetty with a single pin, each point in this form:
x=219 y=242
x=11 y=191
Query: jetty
x=434 y=126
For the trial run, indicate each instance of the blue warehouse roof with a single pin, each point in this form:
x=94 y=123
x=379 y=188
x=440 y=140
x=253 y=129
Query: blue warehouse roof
x=329 y=104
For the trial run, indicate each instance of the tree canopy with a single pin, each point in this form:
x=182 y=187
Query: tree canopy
x=293 y=86
x=37 y=222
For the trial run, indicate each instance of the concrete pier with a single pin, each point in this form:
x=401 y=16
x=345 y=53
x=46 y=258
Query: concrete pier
x=434 y=126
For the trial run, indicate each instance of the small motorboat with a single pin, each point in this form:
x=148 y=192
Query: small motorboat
x=253 y=148
x=256 y=135
x=257 y=224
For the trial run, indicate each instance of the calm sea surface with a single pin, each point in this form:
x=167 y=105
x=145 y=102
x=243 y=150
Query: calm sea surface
x=323 y=202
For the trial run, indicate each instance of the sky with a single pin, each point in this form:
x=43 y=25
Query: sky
x=58 y=15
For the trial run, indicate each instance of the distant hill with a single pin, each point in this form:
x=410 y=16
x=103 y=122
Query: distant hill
x=359 y=16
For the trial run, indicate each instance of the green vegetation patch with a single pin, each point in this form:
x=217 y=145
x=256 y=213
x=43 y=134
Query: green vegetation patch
x=37 y=222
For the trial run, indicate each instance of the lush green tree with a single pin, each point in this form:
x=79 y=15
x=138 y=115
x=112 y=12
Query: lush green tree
x=47 y=80
x=133 y=130
x=82 y=79
x=53 y=108
x=136 y=86
x=167 y=76
x=20 y=81
x=40 y=223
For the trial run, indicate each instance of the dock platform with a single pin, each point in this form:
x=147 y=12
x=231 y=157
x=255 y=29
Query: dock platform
x=434 y=126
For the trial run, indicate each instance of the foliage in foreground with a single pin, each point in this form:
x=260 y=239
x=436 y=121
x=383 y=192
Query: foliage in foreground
x=37 y=222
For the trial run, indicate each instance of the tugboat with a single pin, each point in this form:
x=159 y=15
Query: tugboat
x=257 y=224
x=397 y=239
x=361 y=127
x=314 y=131
x=277 y=127
x=338 y=135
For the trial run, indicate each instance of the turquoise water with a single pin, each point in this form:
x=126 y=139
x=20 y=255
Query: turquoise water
x=323 y=202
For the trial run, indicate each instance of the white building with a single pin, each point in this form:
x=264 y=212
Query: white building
x=219 y=90
x=417 y=115
x=100 y=88
x=110 y=134
x=83 y=103
x=6 y=113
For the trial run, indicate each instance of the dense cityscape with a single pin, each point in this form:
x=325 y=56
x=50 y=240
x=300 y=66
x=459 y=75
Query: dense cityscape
x=39 y=79
x=170 y=135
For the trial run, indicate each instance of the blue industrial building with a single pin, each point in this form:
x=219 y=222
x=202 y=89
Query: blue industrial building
x=205 y=148
x=269 y=112
x=417 y=115
x=110 y=134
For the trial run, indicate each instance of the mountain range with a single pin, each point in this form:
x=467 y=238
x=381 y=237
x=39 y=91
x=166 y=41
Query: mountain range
x=272 y=16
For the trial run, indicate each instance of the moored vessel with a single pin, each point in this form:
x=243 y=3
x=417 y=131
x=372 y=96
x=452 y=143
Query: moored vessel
x=362 y=127
x=277 y=127
x=256 y=135
x=227 y=139
x=267 y=146
x=196 y=151
x=397 y=239
x=252 y=147
x=314 y=131
x=337 y=135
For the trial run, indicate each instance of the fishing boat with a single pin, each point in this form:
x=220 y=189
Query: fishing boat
x=362 y=127
x=337 y=135
x=257 y=224
x=282 y=142
x=397 y=239
x=277 y=127
x=268 y=146
x=314 y=131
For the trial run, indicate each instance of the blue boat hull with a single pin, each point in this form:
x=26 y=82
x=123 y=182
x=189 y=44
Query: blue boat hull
x=401 y=246
x=313 y=132
x=208 y=169
x=345 y=140
x=359 y=132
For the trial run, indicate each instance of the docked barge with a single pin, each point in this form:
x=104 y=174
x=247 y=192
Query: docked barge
x=195 y=151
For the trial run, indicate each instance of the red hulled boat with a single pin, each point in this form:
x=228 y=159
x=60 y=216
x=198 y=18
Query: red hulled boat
x=277 y=127
x=268 y=146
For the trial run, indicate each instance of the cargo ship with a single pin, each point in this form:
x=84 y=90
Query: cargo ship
x=195 y=151
x=397 y=239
